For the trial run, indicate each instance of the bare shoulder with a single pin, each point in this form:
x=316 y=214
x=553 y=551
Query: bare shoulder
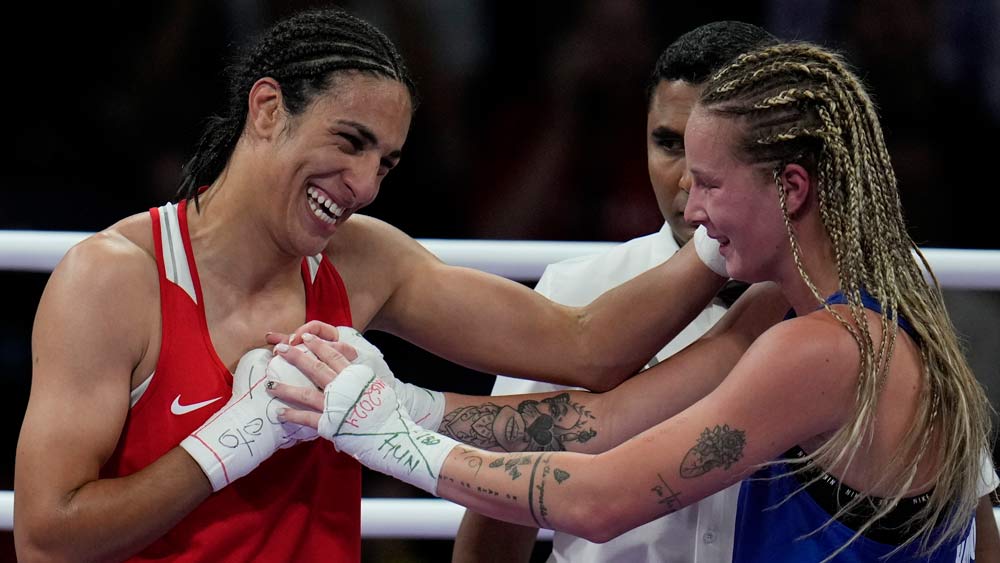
x=368 y=237
x=123 y=251
x=103 y=288
x=760 y=307
x=375 y=259
x=813 y=355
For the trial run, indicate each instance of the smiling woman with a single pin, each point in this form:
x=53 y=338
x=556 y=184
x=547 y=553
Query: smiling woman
x=114 y=461
x=855 y=425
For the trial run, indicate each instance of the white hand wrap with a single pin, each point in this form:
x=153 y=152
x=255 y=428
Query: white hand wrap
x=708 y=250
x=426 y=407
x=363 y=418
x=246 y=430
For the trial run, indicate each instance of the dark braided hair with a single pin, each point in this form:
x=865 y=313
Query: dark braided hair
x=698 y=54
x=302 y=53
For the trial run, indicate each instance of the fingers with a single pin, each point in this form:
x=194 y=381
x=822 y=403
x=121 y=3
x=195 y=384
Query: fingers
x=294 y=395
x=336 y=355
x=325 y=362
x=273 y=338
x=305 y=418
x=323 y=330
x=345 y=350
x=313 y=367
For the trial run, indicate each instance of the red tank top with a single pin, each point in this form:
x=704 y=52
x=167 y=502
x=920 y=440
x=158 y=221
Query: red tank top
x=302 y=504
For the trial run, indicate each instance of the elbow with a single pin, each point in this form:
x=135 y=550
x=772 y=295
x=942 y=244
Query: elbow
x=38 y=538
x=33 y=545
x=598 y=519
x=604 y=384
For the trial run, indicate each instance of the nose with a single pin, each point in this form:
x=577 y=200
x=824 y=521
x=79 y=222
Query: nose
x=685 y=182
x=362 y=177
x=694 y=210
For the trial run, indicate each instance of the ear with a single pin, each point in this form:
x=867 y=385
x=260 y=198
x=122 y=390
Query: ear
x=798 y=188
x=265 y=114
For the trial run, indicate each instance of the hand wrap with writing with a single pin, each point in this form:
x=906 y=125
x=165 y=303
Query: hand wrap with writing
x=246 y=430
x=363 y=418
x=426 y=407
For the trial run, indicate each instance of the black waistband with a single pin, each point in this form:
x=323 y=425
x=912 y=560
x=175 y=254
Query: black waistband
x=830 y=494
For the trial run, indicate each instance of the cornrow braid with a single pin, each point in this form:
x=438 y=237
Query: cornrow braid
x=303 y=53
x=799 y=103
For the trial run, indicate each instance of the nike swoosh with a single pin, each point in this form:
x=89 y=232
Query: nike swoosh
x=177 y=408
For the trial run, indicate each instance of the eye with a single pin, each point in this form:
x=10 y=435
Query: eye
x=673 y=146
x=356 y=145
x=385 y=165
x=669 y=141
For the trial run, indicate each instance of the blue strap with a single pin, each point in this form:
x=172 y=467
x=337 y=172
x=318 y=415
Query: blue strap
x=868 y=302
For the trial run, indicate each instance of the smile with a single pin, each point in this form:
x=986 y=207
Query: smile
x=323 y=207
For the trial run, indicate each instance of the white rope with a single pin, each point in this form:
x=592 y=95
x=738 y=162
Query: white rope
x=40 y=251
x=380 y=518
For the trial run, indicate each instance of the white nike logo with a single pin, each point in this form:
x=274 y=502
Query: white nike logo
x=177 y=408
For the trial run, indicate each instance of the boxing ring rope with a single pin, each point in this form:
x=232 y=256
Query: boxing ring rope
x=40 y=251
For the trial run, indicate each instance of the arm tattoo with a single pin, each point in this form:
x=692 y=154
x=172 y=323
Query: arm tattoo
x=546 y=425
x=721 y=446
x=511 y=465
x=540 y=478
x=472 y=458
x=666 y=495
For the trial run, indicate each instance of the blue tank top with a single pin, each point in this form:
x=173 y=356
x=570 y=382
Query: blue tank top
x=774 y=527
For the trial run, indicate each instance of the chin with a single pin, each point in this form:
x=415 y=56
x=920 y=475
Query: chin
x=682 y=231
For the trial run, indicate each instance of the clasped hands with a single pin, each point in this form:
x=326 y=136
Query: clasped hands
x=335 y=381
x=358 y=404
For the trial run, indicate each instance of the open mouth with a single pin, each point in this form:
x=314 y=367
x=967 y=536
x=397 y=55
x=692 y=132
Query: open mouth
x=322 y=206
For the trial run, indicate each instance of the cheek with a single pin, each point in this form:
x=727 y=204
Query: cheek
x=665 y=177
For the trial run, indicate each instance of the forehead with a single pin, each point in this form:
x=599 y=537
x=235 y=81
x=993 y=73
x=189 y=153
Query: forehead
x=380 y=104
x=671 y=104
x=709 y=140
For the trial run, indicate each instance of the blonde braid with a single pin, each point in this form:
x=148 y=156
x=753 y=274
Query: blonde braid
x=798 y=100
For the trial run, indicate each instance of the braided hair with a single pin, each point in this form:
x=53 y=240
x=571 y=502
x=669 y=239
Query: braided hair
x=799 y=103
x=302 y=53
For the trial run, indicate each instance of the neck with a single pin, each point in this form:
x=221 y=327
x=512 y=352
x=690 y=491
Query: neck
x=231 y=239
x=818 y=262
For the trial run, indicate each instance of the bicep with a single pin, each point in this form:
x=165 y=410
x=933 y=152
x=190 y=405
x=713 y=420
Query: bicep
x=756 y=414
x=85 y=343
x=480 y=320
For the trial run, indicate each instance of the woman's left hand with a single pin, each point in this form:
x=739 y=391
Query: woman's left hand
x=327 y=359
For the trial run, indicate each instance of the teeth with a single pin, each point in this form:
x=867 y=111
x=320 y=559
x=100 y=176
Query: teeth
x=318 y=199
x=320 y=213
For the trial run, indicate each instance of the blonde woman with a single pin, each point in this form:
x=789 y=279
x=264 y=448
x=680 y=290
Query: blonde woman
x=856 y=423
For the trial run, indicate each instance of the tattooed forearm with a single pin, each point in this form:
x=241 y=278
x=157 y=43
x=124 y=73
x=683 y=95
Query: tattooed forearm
x=666 y=495
x=546 y=425
x=511 y=465
x=542 y=474
x=475 y=462
x=721 y=446
x=472 y=458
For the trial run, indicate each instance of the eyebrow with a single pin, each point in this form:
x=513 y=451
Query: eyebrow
x=701 y=176
x=664 y=131
x=368 y=135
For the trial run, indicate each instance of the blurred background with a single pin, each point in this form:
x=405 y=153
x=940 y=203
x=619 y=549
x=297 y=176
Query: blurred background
x=532 y=126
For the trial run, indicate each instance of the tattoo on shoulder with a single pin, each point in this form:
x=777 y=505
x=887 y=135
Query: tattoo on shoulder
x=721 y=446
x=545 y=425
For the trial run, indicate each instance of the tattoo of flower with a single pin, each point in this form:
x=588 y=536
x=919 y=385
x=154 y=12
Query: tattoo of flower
x=721 y=446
